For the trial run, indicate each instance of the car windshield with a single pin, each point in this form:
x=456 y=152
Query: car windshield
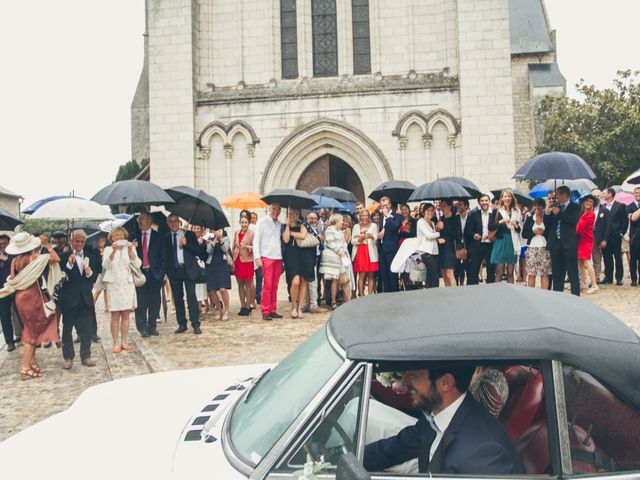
x=279 y=397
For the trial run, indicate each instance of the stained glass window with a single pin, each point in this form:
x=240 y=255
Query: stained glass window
x=289 y=38
x=361 y=37
x=325 y=38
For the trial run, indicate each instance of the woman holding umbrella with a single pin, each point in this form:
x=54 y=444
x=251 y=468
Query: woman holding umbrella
x=506 y=247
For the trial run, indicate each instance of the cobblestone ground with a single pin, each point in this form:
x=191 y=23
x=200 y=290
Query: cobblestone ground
x=241 y=340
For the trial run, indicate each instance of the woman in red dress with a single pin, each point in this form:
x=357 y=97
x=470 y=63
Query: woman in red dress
x=365 y=252
x=243 y=266
x=584 y=229
x=39 y=324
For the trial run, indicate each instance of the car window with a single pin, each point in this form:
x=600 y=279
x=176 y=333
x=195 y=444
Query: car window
x=279 y=397
x=336 y=434
x=604 y=431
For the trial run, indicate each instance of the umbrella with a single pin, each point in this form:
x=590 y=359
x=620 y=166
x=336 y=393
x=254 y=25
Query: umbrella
x=521 y=197
x=580 y=185
x=290 y=198
x=197 y=207
x=73 y=208
x=326 y=202
x=43 y=201
x=465 y=183
x=132 y=192
x=373 y=207
x=633 y=179
x=398 y=191
x=132 y=228
x=88 y=227
x=555 y=165
x=624 y=197
x=439 y=189
x=92 y=240
x=8 y=221
x=338 y=193
x=244 y=201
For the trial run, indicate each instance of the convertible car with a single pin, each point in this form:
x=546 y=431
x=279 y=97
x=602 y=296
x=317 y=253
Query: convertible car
x=572 y=407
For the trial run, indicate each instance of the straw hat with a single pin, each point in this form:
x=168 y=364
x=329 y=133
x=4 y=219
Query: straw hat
x=22 y=242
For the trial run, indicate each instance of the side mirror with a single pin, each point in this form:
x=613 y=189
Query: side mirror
x=350 y=469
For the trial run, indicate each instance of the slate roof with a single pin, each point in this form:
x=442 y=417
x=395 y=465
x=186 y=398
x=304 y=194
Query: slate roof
x=529 y=27
x=546 y=75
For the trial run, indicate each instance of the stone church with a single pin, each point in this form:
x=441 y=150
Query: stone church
x=253 y=95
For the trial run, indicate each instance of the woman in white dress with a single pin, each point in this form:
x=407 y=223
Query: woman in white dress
x=116 y=269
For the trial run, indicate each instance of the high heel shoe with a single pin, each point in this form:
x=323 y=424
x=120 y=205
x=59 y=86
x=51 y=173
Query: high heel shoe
x=36 y=368
x=29 y=374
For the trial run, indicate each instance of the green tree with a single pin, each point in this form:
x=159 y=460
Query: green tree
x=39 y=226
x=602 y=127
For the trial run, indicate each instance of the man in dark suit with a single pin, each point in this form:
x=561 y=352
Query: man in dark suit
x=560 y=220
x=633 y=210
x=463 y=267
x=478 y=244
x=76 y=298
x=5 y=303
x=453 y=435
x=181 y=250
x=619 y=224
x=601 y=231
x=150 y=251
x=389 y=228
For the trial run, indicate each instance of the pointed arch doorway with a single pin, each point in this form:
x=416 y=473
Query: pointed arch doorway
x=331 y=171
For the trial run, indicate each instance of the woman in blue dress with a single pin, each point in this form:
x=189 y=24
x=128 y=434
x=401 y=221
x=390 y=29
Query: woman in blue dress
x=507 y=243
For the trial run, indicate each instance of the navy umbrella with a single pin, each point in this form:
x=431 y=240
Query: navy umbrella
x=132 y=192
x=338 y=193
x=398 y=191
x=290 y=198
x=8 y=221
x=326 y=202
x=465 y=183
x=439 y=189
x=564 y=165
x=580 y=185
x=197 y=207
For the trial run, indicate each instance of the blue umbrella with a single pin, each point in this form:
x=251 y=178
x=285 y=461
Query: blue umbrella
x=555 y=165
x=580 y=185
x=326 y=202
x=43 y=201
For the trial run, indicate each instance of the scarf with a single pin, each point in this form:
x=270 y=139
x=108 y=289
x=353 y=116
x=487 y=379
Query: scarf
x=31 y=274
x=515 y=237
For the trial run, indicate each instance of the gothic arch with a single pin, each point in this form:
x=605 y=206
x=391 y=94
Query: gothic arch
x=426 y=122
x=320 y=137
x=227 y=132
x=441 y=115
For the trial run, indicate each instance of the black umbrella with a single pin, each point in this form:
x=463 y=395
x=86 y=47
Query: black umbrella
x=563 y=165
x=521 y=197
x=197 y=207
x=92 y=240
x=8 y=221
x=439 y=189
x=336 y=193
x=159 y=218
x=88 y=227
x=132 y=192
x=465 y=183
x=398 y=191
x=290 y=198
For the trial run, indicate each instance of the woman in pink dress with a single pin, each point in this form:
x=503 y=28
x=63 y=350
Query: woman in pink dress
x=243 y=266
x=365 y=252
x=584 y=229
x=39 y=323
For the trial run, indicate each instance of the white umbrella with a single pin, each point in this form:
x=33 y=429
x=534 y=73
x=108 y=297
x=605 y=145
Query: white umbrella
x=631 y=182
x=73 y=208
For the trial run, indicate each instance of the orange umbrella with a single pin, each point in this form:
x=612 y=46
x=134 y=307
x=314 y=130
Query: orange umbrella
x=373 y=207
x=244 y=200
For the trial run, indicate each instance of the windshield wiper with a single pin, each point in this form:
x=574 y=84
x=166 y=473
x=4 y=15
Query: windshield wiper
x=254 y=383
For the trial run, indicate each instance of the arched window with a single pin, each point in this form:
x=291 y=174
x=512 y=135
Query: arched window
x=325 y=38
x=361 y=37
x=289 y=38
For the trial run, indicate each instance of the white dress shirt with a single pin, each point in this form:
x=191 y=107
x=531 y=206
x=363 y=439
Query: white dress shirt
x=267 y=239
x=484 y=216
x=79 y=259
x=442 y=420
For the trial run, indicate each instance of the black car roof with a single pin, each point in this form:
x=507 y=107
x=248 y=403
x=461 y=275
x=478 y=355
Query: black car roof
x=492 y=322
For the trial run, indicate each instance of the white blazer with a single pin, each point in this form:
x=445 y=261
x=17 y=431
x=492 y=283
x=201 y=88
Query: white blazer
x=371 y=242
x=427 y=238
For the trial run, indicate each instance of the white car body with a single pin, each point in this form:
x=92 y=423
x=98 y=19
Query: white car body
x=134 y=427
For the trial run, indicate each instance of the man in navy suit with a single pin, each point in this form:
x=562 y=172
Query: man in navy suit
x=389 y=228
x=478 y=244
x=453 y=435
x=150 y=251
x=601 y=231
x=633 y=210
x=612 y=254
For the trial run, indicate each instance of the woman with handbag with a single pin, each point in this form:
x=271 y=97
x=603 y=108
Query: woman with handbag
x=120 y=264
x=332 y=265
x=33 y=304
x=219 y=268
x=365 y=253
x=428 y=245
x=299 y=260
x=243 y=265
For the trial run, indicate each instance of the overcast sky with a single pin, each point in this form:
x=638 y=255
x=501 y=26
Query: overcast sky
x=70 y=68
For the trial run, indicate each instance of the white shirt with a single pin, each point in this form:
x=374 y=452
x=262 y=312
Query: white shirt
x=484 y=216
x=538 y=241
x=442 y=420
x=266 y=241
x=179 y=234
x=79 y=258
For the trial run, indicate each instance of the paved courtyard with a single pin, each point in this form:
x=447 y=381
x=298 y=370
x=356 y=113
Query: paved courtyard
x=241 y=340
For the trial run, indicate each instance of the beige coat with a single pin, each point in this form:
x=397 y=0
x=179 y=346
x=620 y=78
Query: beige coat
x=371 y=242
x=240 y=248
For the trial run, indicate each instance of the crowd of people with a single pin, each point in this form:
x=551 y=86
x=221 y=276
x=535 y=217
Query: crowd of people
x=327 y=258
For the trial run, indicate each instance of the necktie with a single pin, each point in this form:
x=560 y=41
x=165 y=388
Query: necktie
x=176 y=263
x=431 y=421
x=427 y=436
x=145 y=251
x=562 y=207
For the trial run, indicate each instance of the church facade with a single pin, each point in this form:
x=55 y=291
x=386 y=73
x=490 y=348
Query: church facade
x=253 y=95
